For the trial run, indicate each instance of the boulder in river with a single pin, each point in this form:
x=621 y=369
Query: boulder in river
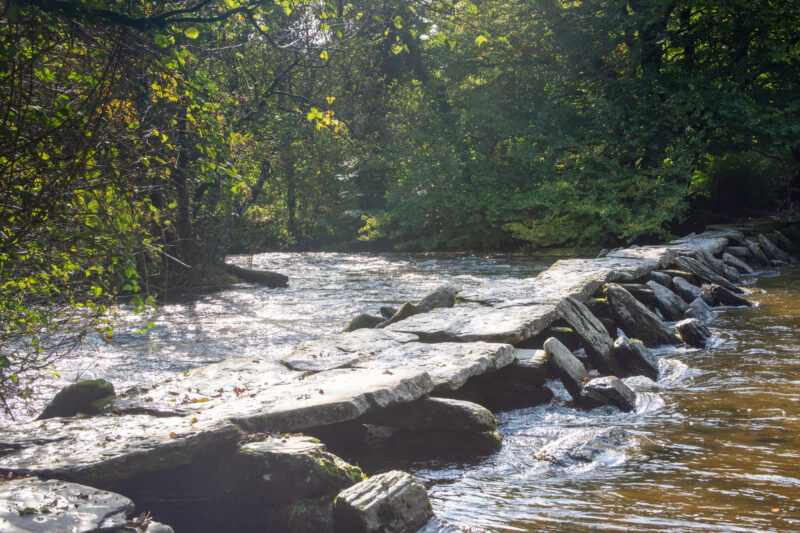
x=636 y=319
x=757 y=253
x=77 y=398
x=705 y=273
x=596 y=340
x=636 y=358
x=772 y=251
x=693 y=332
x=609 y=390
x=434 y=414
x=740 y=252
x=394 y=502
x=387 y=312
x=787 y=244
x=441 y=297
x=671 y=305
x=737 y=263
x=726 y=297
x=363 y=321
x=690 y=292
x=662 y=278
x=732 y=274
x=700 y=310
x=709 y=260
x=435 y=441
x=273 y=280
x=568 y=368
x=585 y=446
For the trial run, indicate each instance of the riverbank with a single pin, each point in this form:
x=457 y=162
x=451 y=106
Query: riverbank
x=525 y=310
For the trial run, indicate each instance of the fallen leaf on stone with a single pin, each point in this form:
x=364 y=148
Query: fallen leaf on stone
x=321 y=391
x=173 y=435
x=193 y=421
x=388 y=372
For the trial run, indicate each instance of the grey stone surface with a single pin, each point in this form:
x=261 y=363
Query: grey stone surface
x=636 y=319
x=393 y=502
x=732 y=274
x=704 y=272
x=700 y=310
x=740 y=252
x=343 y=350
x=636 y=358
x=596 y=340
x=757 y=253
x=726 y=297
x=693 y=332
x=584 y=446
x=671 y=305
x=269 y=279
x=442 y=296
x=641 y=292
x=662 y=278
x=785 y=243
x=772 y=251
x=570 y=370
x=609 y=390
x=32 y=505
x=77 y=398
x=737 y=263
x=102 y=449
x=710 y=261
x=688 y=291
x=531 y=366
x=443 y=414
x=387 y=312
x=448 y=442
x=711 y=242
x=363 y=321
x=511 y=325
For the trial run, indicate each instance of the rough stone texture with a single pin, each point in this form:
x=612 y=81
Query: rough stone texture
x=32 y=505
x=343 y=350
x=772 y=251
x=435 y=414
x=269 y=279
x=363 y=321
x=609 y=390
x=570 y=370
x=693 y=332
x=583 y=446
x=671 y=305
x=387 y=312
x=785 y=243
x=710 y=261
x=104 y=449
x=757 y=253
x=737 y=263
x=511 y=325
x=740 y=252
x=264 y=396
x=712 y=242
x=726 y=297
x=636 y=319
x=443 y=296
x=77 y=398
x=531 y=366
x=598 y=343
x=661 y=278
x=636 y=358
x=689 y=292
x=700 y=310
x=705 y=273
x=641 y=293
x=393 y=502
x=732 y=274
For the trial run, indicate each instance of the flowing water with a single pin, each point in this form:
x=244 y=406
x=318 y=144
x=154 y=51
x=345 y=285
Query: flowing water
x=713 y=446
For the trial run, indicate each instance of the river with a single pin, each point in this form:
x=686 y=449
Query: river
x=713 y=446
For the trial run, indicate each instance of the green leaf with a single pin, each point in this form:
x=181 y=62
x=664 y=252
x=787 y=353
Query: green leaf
x=480 y=40
x=192 y=33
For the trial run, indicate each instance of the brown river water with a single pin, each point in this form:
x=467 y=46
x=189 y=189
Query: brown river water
x=713 y=446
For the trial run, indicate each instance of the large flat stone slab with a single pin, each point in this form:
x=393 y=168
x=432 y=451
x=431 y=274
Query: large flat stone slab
x=32 y=505
x=712 y=242
x=664 y=255
x=263 y=396
x=344 y=349
x=469 y=323
x=99 y=450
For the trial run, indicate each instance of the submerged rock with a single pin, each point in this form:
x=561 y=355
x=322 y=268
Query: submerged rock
x=269 y=279
x=598 y=343
x=395 y=502
x=636 y=358
x=568 y=368
x=671 y=305
x=636 y=319
x=693 y=332
x=584 y=446
x=609 y=390
x=77 y=398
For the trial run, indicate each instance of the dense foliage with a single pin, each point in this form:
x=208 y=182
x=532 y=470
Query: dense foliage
x=141 y=141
